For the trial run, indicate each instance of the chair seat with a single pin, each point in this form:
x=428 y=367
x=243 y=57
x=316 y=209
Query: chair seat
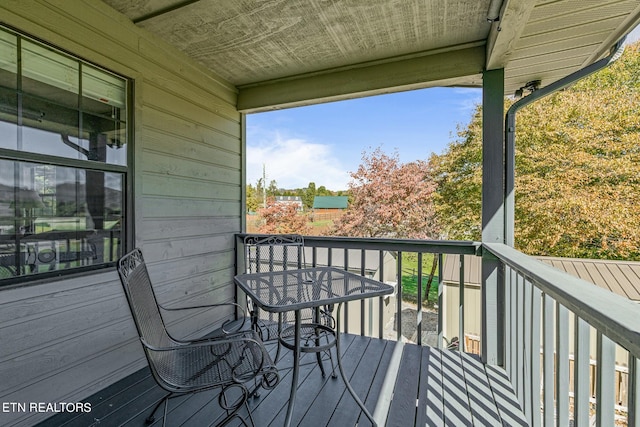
x=195 y=367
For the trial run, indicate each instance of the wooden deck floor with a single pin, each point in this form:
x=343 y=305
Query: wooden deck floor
x=405 y=385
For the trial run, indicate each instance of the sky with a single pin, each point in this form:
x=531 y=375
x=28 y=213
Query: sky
x=323 y=143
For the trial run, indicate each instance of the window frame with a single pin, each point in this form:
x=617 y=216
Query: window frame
x=126 y=170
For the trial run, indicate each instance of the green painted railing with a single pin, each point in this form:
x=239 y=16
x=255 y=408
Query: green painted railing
x=554 y=320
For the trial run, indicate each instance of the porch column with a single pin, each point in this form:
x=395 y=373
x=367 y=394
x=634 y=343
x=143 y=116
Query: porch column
x=493 y=220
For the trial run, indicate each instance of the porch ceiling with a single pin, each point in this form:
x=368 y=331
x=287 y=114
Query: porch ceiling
x=293 y=52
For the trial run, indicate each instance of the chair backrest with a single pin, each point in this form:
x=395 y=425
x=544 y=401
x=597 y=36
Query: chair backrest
x=142 y=301
x=274 y=253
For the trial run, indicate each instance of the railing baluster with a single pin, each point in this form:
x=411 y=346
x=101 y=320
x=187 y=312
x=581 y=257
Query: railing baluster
x=510 y=313
x=535 y=419
x=381 y=299
x=633 y=403
x=548 y=361
x=399 y=298
x=362 y=302
x=527 y=350
x=562 y=364
x=605 y=392
x=581 y=368
x=419 y=307
x=440 y=299
x=461 y=339
x=518 y=379
x=346 y=305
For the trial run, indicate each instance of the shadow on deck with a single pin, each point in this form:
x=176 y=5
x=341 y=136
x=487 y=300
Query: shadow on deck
x=403 y=384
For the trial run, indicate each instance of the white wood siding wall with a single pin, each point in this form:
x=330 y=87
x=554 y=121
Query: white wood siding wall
x=62 y=340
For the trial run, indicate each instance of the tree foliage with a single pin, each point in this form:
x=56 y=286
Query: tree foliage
x=458 y=176
x=577 y=170
x=308 y=195
x=253 y=199
x=282 y=218
x=389 y=199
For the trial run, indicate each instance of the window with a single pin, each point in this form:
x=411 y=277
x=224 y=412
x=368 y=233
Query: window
x=63 y=161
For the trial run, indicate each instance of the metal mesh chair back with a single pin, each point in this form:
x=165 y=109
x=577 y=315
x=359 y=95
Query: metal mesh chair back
x=267 y=254
x=220 y=360
x=137 y=286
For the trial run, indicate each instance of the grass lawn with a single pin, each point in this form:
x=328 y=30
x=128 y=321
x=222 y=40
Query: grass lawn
x=410 y=279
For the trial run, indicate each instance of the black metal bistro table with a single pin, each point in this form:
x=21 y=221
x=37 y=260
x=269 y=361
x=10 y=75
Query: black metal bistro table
x=294 y=290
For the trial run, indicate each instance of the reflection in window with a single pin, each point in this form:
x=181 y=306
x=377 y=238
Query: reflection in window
x=55 y=217
x=65 y=107
x=67 y=213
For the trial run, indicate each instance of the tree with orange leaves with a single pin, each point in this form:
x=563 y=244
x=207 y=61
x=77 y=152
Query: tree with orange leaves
x=282 y=218
x=390 y=199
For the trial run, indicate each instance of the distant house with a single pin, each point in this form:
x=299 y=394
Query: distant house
x=290 y=200
x=329 y=207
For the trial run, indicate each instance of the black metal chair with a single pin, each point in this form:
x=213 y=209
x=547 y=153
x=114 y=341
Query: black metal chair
x=224 y=359
x=277 y=253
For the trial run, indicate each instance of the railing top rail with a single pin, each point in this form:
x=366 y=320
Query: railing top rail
x=408 y=245
x=615 y=316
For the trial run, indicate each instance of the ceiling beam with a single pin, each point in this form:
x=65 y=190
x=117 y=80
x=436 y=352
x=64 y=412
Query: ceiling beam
x=164 y=11
x=438 y=69
x=506 y=32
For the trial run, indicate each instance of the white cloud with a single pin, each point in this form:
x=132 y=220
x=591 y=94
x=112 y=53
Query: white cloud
x=294 y=163
x=634 y=35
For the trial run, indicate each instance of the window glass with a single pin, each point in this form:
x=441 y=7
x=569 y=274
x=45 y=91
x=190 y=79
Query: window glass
x=8 y=118
x=8 y=60
x=103 y=120
x=63 y=171
x=56 y=218
x=104 y=139
x=106 y=90
x=8 y=96
x=56 y=117
x=47 y=126
x=49 y=74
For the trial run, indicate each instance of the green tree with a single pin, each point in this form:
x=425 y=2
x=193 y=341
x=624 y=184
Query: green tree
x=458 y=174
x=253 y=199
x=322 y=191
x=273 y=190
x=309 y=195
x=577 y=170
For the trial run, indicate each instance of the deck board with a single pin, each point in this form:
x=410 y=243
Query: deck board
x=431 y=395
x=483 y=408
x=309 y=391
x=377 y=358
x=403 y=406
x=433 y=388
x=456 y=400
x=506 y=401
x=326 y=401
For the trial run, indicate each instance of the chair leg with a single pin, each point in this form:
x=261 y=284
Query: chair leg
x=320 y=364
x=151 y=418
x=246 y=404
x=233 y=408
x=333 y=366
